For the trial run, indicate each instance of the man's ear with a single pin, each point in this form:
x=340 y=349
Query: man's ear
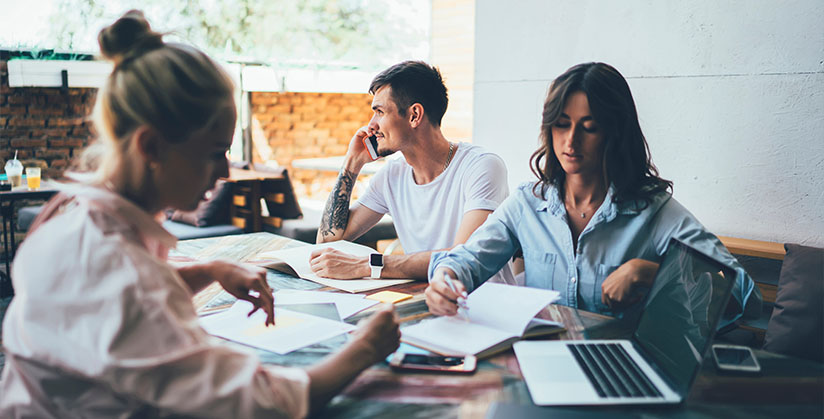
x=149 y=144
x=416 y=115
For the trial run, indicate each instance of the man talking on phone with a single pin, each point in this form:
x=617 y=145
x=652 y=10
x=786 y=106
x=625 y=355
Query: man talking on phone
x=437 y=194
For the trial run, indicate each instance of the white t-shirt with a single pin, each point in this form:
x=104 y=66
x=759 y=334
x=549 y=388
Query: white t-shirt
x=427 y=216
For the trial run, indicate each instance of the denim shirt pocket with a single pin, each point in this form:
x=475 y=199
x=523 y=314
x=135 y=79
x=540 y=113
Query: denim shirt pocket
x=540 y=268
x=601 y=274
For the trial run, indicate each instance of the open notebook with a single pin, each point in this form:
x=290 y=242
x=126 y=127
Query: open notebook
x=498 y=315
x=295 y=261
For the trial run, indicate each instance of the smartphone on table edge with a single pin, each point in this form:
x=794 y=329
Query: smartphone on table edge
x=434 y=363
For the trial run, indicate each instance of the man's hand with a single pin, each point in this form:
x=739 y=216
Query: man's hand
x=246 y=283
x=440 y=298
x=357 y=155
x=623 y=286
x=332 y=263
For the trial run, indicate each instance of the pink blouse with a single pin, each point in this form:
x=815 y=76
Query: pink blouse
x=102 y=326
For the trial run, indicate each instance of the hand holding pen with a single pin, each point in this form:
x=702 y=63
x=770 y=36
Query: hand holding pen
x=463 y=309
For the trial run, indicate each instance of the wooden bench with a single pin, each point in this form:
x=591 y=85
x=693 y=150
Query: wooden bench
x=757 y=248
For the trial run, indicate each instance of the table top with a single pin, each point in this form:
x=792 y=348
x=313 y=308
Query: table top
x=47 y=188
x=786 y=385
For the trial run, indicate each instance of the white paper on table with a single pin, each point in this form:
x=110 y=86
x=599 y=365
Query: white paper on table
x=292 y=330
x=347 y=304
x=297 y=258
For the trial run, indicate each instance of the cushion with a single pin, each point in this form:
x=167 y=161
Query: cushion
x=214 y=210
x=306 y=228
x=796 y=327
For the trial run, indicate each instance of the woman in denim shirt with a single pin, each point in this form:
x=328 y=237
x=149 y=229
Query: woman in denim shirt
x=597 y=222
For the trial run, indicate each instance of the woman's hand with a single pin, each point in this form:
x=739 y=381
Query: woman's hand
x=379 y=335
x=246 y=283
x=621 y=288
x=440 y=298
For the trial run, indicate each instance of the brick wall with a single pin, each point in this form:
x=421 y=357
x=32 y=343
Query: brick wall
x=46 y=127
x=305 y=125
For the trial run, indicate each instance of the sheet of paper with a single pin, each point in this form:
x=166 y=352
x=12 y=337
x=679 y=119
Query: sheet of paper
x=298 y=259
x=292 y=330
x=506 y=307
x=347 y=304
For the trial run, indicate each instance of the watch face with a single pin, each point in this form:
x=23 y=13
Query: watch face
x=376 y=259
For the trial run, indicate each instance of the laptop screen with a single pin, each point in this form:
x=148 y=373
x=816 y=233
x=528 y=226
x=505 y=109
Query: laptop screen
x=682 y=310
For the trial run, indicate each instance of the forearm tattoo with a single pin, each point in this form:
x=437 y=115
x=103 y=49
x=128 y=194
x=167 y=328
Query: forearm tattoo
x=336 y=213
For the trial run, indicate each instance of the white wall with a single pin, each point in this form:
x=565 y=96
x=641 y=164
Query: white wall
x=730 y=96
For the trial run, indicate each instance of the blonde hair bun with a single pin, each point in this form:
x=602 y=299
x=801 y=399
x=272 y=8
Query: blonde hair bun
x=128 y=37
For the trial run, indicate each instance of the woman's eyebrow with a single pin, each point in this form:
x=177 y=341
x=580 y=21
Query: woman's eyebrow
x=586 y=118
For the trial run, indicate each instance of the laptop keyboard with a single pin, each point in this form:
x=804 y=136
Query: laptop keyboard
x=612 y=371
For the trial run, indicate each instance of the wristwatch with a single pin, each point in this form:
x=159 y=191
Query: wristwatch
x=376 y=264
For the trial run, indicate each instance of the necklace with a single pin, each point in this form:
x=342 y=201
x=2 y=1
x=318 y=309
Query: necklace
x=583 y=213
x=449 y=156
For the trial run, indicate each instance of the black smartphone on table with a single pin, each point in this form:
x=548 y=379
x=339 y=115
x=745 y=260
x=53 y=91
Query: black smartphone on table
x=433 y=363
x=735 y=358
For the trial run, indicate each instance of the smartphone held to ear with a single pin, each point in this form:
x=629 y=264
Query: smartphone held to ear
x=371 y=144
x=419 y=362
x=735 y=358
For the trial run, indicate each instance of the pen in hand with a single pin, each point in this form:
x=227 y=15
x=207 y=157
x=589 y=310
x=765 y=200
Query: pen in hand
x=461 y=300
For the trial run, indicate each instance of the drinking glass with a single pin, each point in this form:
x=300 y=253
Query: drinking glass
x=33 y=178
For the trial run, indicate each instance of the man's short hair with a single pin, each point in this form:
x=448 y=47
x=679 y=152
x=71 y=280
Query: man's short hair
x=415 y=82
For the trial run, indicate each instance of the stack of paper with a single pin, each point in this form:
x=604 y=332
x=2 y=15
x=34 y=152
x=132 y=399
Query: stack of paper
x=295 y=261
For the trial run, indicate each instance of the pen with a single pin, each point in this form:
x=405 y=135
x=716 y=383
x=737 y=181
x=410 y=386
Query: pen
x=461 y=301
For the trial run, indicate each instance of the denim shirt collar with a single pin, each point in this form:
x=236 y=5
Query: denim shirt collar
x=553 y=204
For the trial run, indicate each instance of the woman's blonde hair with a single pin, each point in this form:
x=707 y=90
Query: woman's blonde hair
x=173 y=88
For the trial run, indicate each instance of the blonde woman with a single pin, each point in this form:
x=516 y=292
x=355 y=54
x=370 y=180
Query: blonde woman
x=101 y=325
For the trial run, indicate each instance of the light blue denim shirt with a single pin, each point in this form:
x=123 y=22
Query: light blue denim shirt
x=615 y=234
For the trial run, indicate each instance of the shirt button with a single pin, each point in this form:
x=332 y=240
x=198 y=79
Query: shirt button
x=573 y=280
x=579 y=251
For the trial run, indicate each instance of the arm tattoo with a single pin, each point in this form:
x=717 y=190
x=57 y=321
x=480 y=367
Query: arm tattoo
x=336 y=213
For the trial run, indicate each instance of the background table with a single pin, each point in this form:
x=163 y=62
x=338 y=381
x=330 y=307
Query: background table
x=786 y=387
x=8 y=199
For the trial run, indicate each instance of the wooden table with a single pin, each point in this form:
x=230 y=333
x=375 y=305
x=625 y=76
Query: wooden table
x=787 y=387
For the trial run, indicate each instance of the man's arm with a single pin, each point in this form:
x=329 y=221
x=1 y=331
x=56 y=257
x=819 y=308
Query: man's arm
x=331 y=263
x=336 y=211
x=338 y=222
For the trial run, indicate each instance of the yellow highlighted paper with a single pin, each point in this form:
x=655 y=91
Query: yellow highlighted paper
x=391 y=297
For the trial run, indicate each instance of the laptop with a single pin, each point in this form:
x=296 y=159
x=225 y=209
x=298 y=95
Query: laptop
x=659 y=363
